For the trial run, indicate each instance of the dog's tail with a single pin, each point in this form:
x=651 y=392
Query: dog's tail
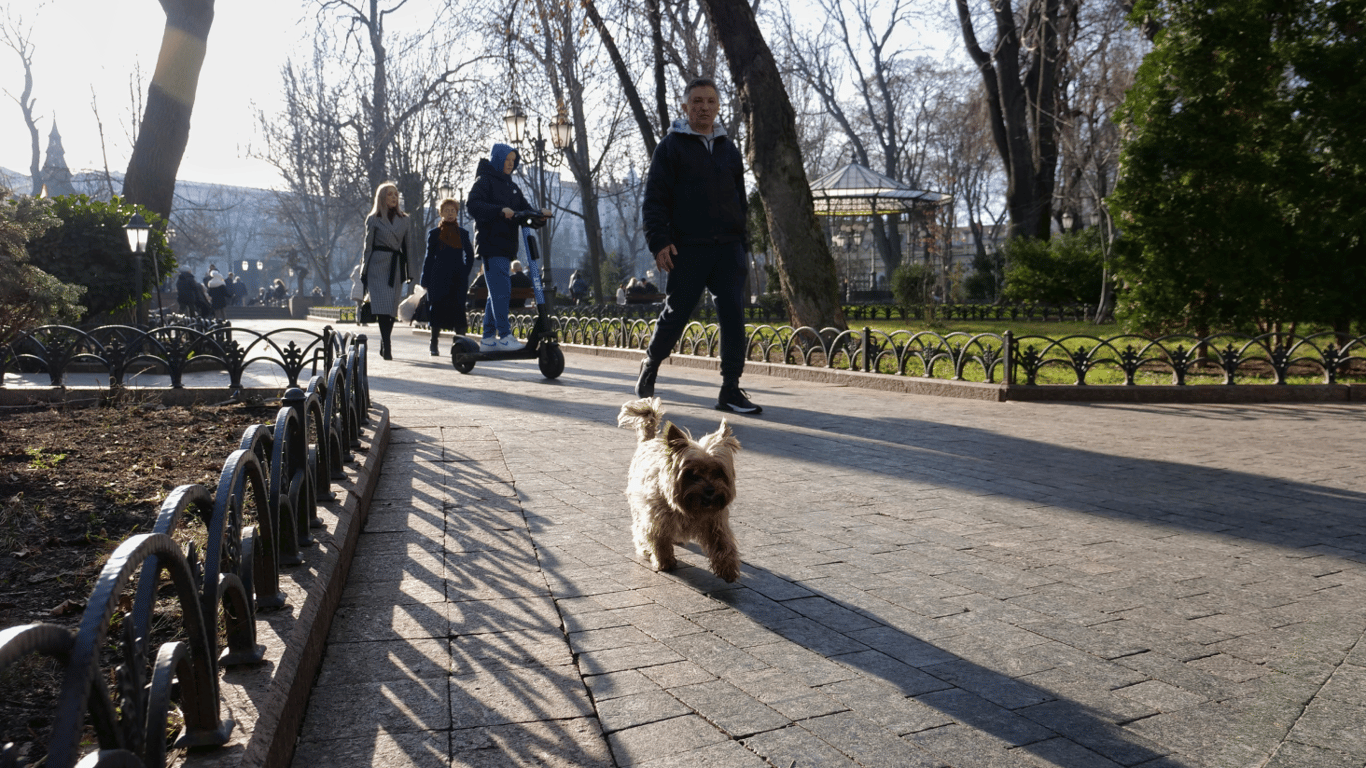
x=643 y=416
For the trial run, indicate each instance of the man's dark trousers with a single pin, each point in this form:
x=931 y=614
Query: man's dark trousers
x=719 y=268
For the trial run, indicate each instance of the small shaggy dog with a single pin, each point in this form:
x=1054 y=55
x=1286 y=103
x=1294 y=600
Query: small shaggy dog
x=680 y=490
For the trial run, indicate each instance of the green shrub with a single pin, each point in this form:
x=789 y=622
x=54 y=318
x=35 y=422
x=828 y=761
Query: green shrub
x=29 y=296
x=1067 y=269
x=89 y=247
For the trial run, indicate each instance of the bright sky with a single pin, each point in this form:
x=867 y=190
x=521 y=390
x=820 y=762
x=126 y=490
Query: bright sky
x=85 y=44
x=82 y=45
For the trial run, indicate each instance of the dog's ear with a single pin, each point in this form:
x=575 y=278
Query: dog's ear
x=723 y=439
x=676 y=438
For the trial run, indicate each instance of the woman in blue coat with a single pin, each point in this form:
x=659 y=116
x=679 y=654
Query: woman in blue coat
x=446 y=273
x=494 y=200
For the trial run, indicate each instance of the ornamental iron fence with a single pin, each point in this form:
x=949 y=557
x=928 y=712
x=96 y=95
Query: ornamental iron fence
x=261 y=513
x=119 y=351
x=1028 y=360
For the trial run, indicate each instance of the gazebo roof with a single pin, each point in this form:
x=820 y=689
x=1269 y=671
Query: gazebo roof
x=855 y=190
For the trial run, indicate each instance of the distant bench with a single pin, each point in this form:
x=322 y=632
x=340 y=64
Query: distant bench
x=644 y=298
x=482 y=294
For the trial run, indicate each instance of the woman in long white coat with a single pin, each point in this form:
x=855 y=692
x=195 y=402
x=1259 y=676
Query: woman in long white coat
x=388 y=241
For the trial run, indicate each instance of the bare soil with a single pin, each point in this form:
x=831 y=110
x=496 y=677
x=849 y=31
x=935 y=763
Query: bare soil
x=74 y=483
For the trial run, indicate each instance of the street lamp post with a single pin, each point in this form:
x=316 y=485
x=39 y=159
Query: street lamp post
x=561 y=134
x=137 y=230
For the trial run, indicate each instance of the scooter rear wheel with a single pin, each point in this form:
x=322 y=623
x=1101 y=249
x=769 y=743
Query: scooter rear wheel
x=551 y=360
x=462 y=351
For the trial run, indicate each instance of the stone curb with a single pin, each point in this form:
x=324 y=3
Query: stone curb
x=268 y=700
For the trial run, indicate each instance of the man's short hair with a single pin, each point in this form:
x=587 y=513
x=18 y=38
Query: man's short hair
x=699 y=82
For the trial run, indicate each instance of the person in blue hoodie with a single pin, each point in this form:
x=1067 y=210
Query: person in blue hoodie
x=695 y=218
x=493 y=201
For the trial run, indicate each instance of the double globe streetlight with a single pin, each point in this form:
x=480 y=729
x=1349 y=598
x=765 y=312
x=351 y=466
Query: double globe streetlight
x=561 y=136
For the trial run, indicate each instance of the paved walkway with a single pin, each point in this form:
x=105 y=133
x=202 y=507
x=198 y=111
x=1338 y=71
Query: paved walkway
x=927 y=582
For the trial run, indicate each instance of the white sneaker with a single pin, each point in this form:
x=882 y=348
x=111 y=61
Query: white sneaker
x=488 y=345
x=509 y=343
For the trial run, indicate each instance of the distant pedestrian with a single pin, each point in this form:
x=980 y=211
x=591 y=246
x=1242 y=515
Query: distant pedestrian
x=446 y=273
x=385 y=259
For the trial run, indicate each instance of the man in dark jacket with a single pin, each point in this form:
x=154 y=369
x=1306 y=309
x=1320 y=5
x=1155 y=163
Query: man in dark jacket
x=695 y=213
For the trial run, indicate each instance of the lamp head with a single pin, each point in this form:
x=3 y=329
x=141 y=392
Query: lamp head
x=137 y=229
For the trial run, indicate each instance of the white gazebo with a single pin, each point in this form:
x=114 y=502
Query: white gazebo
x=858 y=191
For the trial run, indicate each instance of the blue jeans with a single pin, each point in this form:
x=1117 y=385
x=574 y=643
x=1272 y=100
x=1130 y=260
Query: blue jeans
x=720 y=269
x=497 y=276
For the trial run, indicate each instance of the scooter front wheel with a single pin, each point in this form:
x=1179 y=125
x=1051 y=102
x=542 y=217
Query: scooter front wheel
x=462 y=354
x=551 y=360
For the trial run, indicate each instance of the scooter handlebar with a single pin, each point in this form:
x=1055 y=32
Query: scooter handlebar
x=529 y=218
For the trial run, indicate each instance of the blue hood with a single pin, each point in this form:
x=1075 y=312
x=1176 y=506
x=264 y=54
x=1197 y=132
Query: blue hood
x=500 y=156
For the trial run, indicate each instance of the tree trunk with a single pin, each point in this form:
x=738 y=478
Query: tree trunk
x=805 y=267
x=628 y=86
x=379 y=104
x=165 y=129
x=1021 y=101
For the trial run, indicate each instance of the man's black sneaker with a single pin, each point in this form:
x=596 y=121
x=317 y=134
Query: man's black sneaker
x=735 y=400
x=645 y=385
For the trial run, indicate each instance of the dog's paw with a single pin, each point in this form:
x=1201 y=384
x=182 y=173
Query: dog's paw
x=726 y=571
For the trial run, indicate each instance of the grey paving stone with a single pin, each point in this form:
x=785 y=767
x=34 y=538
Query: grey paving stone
x=624 y=712
x=503 y=650
x=884 y=705
x=1333 y=725
x=608 y=638
x=677 y=673
x=797 y=746
x=553 y=744
x=867 y=743
x=988 y=684
x=382 y=660
x=517 y=695
x=1101 y=736
x=364 y=710
x=728 y=754
x=424 y=749
x=358 y=622
x=666 y=738
x=624 y=683
x=659 y=622
x=908 y=680
x=630 y=657
x=1161 y=696
x=713 y=654
x=757 y=607
x=901 y=646
x=817 y=637
x=426 y=588
x=535 y=615
x=959 y=745
x=976 y=712
x=804 y=665
x=1292 y=754
x=1064 y=752
x=729 y=708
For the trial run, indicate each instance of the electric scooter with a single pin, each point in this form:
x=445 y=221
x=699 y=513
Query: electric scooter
x=541 y=344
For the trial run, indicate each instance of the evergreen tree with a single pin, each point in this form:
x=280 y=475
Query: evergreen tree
x=1242 y=177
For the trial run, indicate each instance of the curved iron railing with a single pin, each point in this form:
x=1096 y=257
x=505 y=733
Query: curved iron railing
x=173 y=351
x=1032 y=360
x=274 y=480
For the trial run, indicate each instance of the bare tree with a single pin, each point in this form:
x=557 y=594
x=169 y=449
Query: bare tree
x=878 y=99
x=324 y=192
x=165 y=129
x=804 y=265
x=19 y=38
x=1021 y=68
